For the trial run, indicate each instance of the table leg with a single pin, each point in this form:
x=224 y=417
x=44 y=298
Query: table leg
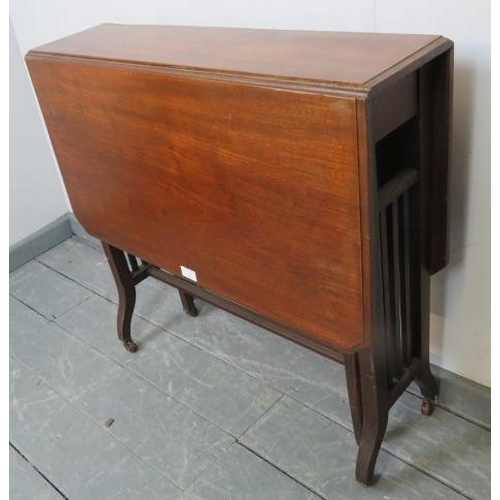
x=354 y=390
x=375 y=410
x=126 y=294
x=188 y=303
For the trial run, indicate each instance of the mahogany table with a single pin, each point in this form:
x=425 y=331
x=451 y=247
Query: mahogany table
x=297 y=179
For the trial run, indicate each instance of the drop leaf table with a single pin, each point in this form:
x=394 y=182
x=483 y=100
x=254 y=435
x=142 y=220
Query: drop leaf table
x=297 y=179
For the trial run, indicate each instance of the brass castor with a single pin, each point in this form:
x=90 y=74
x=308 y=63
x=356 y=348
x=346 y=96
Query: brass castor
x=427 y=406
x=130 y=345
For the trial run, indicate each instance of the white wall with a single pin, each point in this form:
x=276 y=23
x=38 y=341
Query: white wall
x=460 y=337
x=36 y=192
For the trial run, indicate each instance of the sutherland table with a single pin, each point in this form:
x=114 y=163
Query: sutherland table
x=296 y=179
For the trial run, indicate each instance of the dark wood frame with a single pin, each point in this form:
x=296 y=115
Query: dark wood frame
x=399 y=298
x=398 y=127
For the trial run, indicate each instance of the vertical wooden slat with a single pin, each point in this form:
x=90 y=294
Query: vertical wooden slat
x=134 y=266
x=396 y=292
x=387 y=295
x=406 y=281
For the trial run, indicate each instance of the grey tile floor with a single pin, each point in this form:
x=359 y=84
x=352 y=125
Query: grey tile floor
x=209 y=408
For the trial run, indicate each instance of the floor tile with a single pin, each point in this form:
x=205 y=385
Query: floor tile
x=160 y=303
x=82 y=459
x=159 y=429
x=64 y=362
x=288 y=367
x=250 y=348
x=219 y=392
x=24 y=320
x=320 y=384
x=158 y=489
x=151 y=425
x=241 y=475
x=88 y=266
x=94 y=322
x=321 y=454
x=443 y=445
x=25 y=482
x=83 y=264
x=430 y=443
x=221 y=372
x=44 y=290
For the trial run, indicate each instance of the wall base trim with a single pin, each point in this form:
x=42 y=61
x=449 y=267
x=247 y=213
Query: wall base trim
x=81 y=234
x=461 y=396
x=39 y=242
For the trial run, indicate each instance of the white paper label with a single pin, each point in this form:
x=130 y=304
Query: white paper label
x=188 y=273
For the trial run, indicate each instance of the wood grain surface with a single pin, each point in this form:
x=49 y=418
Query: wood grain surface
x=254 y=189
x=338 y=57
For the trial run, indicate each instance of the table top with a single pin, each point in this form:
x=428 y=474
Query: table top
x=351 y=59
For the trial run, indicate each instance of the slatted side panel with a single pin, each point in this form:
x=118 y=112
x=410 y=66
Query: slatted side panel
x=395 y=219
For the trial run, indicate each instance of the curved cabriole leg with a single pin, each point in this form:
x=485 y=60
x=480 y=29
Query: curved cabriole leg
x=375 y=411
x=372 y=436
x=126 y=303
x=188 y=303
x=126 y=294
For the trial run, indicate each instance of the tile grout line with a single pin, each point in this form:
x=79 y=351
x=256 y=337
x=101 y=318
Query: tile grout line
x=278 y=468
x=162 y=472
x=415 y=466
x=135 y=373
x=451 y=487
x=145 y=379
x=162 y=476
x=128 y=369
x=54 y=319
x=150 y=322
x=170 y=332
x=270 y=384
x=237 y=441
x=209 y=467
x=261 y=416
x=38 y=313
x=38 y=471
x=228 y=362
x=463 y=416
x=389 y=452
x=236 y=438
x=95 y=422
x=236 y=367
x=153 y=384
